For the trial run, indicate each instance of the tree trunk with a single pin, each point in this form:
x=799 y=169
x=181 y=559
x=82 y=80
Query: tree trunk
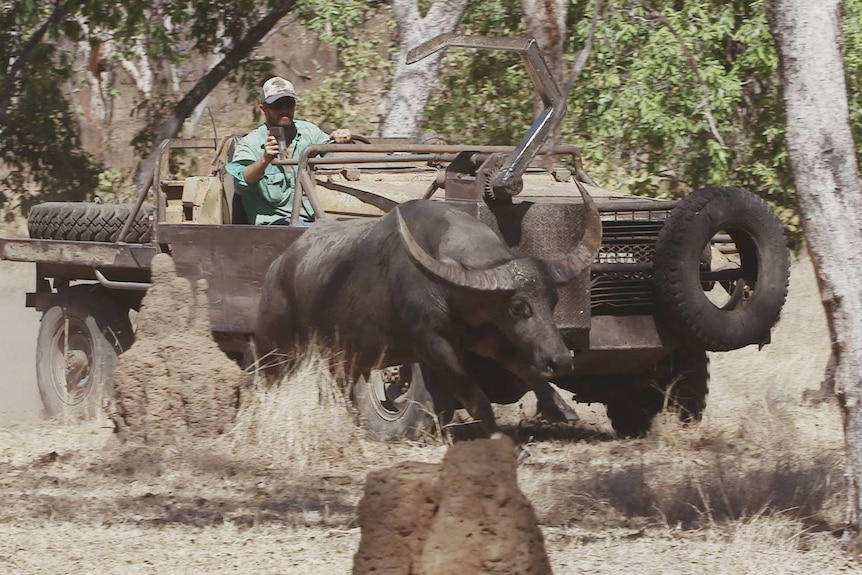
x=94 y=99
x=412 y=85
x=822 y=156
x=190 y=128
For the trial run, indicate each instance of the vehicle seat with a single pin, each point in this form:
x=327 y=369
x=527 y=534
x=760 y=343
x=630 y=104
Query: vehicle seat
x=233 y=200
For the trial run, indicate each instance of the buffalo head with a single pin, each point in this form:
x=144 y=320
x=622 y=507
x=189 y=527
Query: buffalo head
x=513 y=302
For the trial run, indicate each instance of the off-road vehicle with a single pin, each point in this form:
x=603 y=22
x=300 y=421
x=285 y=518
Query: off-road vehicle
x=672 y=281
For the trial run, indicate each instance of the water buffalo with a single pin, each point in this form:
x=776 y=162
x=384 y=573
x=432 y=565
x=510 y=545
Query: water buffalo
x=425 y=283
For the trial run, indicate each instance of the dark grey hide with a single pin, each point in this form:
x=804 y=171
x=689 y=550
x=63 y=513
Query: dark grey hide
x=426 y=283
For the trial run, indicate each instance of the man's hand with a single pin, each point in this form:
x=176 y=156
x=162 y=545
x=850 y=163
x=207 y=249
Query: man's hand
x=340 y=136
x=270 y=149
x=255 y=170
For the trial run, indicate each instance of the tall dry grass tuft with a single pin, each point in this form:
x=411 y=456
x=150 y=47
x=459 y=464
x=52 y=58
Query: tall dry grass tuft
x=303 y=421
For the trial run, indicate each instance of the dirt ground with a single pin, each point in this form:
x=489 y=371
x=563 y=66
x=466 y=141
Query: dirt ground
x=758 y=487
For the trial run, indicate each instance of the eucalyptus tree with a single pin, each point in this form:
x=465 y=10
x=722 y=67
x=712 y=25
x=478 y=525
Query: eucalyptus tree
x=414 y=83
x=823 y=158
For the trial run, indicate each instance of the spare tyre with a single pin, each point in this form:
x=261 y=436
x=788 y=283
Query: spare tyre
x=754 y=281
x=88 y=222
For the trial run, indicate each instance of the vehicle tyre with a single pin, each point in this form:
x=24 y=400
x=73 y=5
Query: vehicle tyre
x=757 y=288
x=80 y=337
x=680 y=383
x=88 y=222
x=394 y=403
x=686 y=385
x=631 y=413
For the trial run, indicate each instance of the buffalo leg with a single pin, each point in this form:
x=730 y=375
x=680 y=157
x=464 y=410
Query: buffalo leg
x=272 y=337
x=477 y=405
x=551 y=405
x=454 y=379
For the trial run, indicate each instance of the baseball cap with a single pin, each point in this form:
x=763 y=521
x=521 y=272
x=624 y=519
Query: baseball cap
x=276 y=88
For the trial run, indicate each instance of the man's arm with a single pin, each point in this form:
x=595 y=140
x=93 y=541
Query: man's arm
x=318 y=136
x=254 y=171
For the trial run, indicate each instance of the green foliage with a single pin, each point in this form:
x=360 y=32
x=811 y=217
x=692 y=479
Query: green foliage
x=112 y=184
x=646 y=100
x=852 y=34
x=39 y=144
x=486 y=97
x=345 y=96
x=40 y=149
x=639 y=109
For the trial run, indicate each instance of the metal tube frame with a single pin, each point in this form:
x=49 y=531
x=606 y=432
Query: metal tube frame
x=393 y=153
x=507 y=178
x=155 y=176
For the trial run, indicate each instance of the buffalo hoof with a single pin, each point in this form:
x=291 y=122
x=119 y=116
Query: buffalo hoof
x=521 y=452
x=557 y=411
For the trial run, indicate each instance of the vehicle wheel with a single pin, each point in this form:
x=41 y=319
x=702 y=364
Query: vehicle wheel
x=88 y=222
x=686 y=385
x=632 y=410
x=80 y=337
x=755 y=282
x=679 y=383
x=395 y=403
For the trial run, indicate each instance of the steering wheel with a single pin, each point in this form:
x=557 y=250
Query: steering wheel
x=353 y=139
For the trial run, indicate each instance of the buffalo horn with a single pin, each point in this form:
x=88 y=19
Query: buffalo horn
x=566 y=267
x=494 y=279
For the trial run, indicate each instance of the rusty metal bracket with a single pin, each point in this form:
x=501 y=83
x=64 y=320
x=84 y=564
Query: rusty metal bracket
x=111 y=284
x=507 y=179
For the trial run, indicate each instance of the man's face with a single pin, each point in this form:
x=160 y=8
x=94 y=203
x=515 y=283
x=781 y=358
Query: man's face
x=280 y=112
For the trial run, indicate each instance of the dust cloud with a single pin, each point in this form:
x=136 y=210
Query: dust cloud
x=19 y=327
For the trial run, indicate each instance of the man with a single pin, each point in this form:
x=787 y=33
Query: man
x=267 y=190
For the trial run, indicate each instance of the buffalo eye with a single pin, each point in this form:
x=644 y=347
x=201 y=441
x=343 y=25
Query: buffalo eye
x=520 y=308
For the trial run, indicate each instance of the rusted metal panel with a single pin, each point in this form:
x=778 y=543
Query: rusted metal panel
x=233 y=260
x=92 y=254
x=626 y=332
x=622 y=345
x=546 y=231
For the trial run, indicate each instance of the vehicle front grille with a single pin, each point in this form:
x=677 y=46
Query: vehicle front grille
x=622 y=270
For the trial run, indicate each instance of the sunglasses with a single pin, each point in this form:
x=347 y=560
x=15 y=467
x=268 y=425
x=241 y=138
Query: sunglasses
x=282 y=104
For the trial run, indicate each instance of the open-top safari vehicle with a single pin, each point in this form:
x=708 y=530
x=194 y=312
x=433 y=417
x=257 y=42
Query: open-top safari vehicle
x=671 y=281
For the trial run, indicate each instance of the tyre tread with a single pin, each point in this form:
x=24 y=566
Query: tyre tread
x=89 y=222
x=670 y=263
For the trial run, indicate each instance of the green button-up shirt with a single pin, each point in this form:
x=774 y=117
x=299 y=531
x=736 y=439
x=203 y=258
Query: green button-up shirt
x=271 y=198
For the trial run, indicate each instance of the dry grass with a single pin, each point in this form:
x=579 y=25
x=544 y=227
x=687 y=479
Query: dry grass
x=306 y=421
x=684 y=477
x=758 y=487
x=303 y=421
